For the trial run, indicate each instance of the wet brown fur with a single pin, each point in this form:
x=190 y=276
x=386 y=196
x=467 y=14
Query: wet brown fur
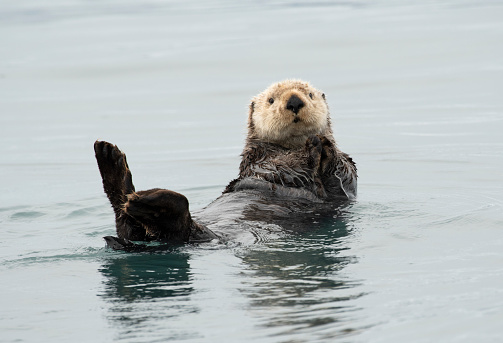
x=306 y=155
x=154 y=214
x=290 y=153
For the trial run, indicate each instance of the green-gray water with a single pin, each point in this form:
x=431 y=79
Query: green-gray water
x=415 y=97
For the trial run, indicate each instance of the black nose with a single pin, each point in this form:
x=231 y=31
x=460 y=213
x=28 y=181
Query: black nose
x=294 y=104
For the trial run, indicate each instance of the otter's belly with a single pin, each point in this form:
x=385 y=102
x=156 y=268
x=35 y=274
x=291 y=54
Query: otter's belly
x=251 y=215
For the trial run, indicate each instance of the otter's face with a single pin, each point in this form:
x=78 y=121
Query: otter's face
x=287 y=113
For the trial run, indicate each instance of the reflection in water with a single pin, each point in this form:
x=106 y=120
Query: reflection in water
x=146 y=289
x=294 y=283
x=289 y=286
x=133 y=277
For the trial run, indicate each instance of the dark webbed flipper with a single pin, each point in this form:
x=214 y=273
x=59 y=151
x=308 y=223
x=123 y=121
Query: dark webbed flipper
x=155 y=214
x=164 y=213
x=166 y=217
x=118 y=183
x=115 y=173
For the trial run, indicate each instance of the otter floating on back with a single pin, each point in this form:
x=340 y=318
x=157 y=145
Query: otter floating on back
x=291 y=170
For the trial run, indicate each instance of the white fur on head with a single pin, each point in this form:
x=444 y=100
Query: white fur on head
x=270 y=121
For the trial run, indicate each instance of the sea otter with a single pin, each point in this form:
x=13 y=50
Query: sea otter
x=291 y=172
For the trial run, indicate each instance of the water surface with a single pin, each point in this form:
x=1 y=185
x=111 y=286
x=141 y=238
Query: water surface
x=414 y=92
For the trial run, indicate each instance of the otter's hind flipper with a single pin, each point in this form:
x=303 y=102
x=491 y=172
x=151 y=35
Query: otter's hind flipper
x=115 y=173
x=164 y=214
x=118 y=183
x=155 y=214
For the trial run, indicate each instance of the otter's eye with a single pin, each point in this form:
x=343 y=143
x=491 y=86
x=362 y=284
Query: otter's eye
x=311 y=95
x=271 y=101
x=323 y=95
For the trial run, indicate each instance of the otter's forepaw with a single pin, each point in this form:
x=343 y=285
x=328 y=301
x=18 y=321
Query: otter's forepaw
x=313 y=141
x=314 y=149
x=328 y=156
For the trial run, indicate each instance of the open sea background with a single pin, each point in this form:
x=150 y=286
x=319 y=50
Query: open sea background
x=415 y=91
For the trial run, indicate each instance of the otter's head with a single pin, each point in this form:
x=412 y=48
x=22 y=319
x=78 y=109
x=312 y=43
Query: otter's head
x=287 y=113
